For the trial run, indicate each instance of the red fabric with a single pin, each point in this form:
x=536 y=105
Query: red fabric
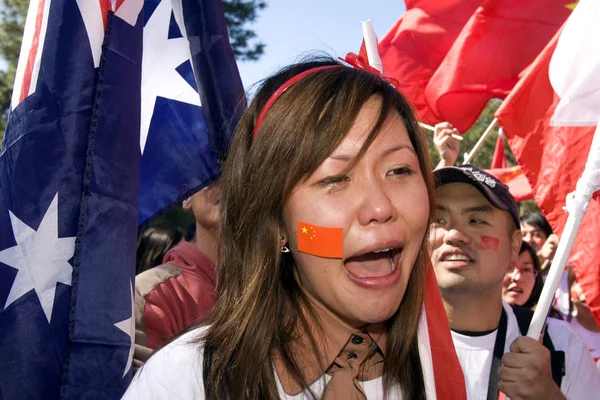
x=418 y=42
x=517 y=182
x=499 y=157
x=553 y=159
x=175 y=304
x=497 y=43
x=448 y=374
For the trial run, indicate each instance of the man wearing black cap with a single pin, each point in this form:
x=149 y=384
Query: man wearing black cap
x=475 y=238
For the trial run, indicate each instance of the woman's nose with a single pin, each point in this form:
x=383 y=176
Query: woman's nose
x=377 y=205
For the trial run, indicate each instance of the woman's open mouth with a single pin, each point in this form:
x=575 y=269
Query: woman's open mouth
x=377 y=268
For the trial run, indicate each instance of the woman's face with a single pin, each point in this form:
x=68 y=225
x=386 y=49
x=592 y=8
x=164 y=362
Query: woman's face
x=519 y=281
x=382 y=207
x=533 y=235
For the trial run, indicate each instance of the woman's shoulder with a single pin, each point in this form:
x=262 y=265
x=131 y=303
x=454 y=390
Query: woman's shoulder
x=173 y=372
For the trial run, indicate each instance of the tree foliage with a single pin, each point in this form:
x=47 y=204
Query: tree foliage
x=12 y=20
x=239 y=14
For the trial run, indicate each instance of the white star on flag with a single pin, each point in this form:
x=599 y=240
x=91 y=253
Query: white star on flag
x=128 y=326
x=40 y=257
x=159 y=77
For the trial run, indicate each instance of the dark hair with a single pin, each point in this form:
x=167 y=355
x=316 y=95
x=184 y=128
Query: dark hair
x=539 y=281
x=537 y=220
x=190 y=232
x=152 y=245
x=259 y=303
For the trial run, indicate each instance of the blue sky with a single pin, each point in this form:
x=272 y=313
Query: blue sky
x=291 y=27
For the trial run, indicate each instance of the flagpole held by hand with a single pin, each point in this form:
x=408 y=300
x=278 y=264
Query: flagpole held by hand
x=432 y=129
x=576 y=206
x=480 y=141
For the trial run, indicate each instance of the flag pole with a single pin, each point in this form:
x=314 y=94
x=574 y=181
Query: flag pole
x=371 y=43
x=576 y=206
x=479 y=143
x=432 y=129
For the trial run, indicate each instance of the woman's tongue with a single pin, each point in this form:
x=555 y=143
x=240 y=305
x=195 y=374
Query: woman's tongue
x=370 y=265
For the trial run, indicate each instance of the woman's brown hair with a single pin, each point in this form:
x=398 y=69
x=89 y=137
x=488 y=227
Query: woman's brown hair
x=259 y=303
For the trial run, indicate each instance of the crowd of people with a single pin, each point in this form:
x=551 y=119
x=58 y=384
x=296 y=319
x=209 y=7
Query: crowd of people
x=307 y=274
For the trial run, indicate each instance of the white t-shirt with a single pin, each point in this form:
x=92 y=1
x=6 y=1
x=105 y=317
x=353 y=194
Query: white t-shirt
x=175 y=373
x=590 y=338
x=475 y=353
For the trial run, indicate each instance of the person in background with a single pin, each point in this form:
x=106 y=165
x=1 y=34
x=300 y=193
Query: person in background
x=181 y=291
x=538 y=233
x=582 y=319
x=522 y=283
x=153 y=243
x=475 y=241
x=447 y=146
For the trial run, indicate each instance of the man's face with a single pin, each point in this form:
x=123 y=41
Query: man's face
x=473 y=242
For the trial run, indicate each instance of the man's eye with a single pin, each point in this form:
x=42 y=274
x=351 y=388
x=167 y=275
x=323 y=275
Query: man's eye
x=439 y=221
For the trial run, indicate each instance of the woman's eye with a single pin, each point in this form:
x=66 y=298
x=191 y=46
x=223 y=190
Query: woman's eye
x=401 y=171
x=332 y=180
x=439 y=221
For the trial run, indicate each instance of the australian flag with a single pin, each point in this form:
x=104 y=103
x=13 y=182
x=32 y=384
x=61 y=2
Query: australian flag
x=69 y=178
x=102 y=135
x=192 y=98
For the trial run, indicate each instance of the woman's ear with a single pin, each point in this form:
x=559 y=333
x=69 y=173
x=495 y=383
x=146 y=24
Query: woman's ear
x=187 y=204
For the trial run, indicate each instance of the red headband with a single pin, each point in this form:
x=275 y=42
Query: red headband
x=279 y=92
x=357 y=61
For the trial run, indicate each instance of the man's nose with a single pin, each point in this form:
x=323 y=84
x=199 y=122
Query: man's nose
x=454 y=236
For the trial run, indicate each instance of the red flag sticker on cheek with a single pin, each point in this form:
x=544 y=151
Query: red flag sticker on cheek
x=489 y=243
x=319 y=241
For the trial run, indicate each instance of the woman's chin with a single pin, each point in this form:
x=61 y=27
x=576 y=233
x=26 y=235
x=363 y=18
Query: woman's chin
x=514 y=299
x=376 y=314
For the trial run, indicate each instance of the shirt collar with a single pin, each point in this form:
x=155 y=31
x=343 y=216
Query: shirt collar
x=331 y=340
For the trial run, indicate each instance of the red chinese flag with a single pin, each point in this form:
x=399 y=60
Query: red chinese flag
x=418 y=42
x=447 y=372
x=320 y=241
x=499 y=157
x=497 y=43
x=517 y=182
x=553 y=159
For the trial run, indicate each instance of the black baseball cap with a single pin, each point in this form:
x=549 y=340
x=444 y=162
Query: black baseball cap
x=495 y=191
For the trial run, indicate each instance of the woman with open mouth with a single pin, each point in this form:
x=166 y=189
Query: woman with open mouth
x=326 y=199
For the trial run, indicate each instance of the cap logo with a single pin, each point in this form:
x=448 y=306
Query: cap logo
x=479 y=176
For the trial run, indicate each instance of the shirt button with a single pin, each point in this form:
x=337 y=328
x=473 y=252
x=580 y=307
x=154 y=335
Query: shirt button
x=351 y=356
x=357 y=339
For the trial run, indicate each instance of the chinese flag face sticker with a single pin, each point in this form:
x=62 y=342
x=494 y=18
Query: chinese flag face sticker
x=319 y=241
